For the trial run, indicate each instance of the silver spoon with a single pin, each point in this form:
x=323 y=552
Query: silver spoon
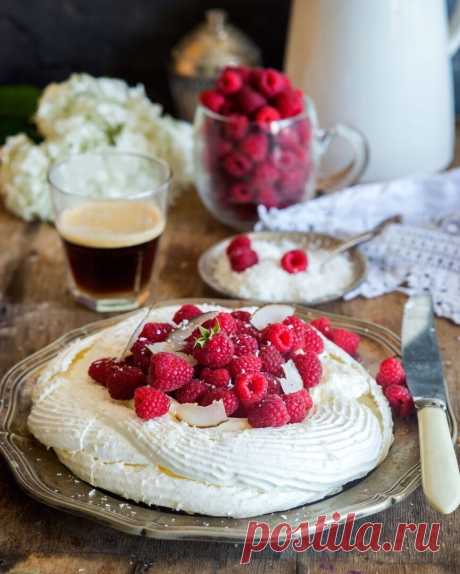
x=361 y=238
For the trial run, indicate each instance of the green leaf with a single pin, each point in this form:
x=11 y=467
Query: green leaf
x=18 y=101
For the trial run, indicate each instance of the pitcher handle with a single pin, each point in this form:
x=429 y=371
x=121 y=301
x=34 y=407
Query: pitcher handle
x=454 y=30
x=354 y=170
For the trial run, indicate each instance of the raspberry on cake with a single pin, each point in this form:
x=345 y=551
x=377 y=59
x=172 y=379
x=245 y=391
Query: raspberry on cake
x=280 y=336
x=346 y=340
x=186 y=313
x=221 y=430
x=169 y=372
x=309 y=367
x=156 y=332
x=214 y=351
x=250 y=388
x=150 y=403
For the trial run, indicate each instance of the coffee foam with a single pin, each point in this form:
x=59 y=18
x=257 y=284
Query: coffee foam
x=111 y=223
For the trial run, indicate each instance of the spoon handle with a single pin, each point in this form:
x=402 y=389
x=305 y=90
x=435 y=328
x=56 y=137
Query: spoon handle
x=361 y=238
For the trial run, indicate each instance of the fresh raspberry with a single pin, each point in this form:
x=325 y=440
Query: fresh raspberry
x=400 y=400
x=236 y=127
x=238 y=243
x=270 y=412
x=346 y=340
x=268 y=196
x=309 y=367
x=255 y=146
x=216 y=351
x=241 y=260
x=244 y=316
x=123 y=380
x=223 y=321
x=266 y=115
x=280 y=336
x=289 y=103
x=245 y=364
x=273 y=385
x=220 y=148
x=313 y=341
x=243 y=71
x=156 y=332
x=290 y=181
x=216 y=377
x=169 y=372
x=186 y=313
x=231 y=402
x=294 y=261
x=272 y=360
x=251 y=388
x=191 y=392
x=240 y=193
x=391 y=372
x=324 y=326
x=212 y=100
x=141 y=354
x=245 y=344
x=270 y=82
x=285 y=160
x=236 y=164
x=229 y=81
x=150 y=403
x=297 y=405
x=101 y=369
x=265 y=173
x=249 y=101
x=298 y=328
x=243 y=328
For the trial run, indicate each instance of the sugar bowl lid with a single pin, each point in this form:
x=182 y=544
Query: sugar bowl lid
x=211 y=46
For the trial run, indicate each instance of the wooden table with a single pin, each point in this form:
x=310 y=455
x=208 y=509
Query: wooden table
x=35 y=308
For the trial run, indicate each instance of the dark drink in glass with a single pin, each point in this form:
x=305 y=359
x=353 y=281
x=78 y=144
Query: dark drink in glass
x=110 y=244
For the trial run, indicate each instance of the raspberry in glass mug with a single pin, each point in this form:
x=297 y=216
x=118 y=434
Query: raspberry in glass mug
x=257 y=143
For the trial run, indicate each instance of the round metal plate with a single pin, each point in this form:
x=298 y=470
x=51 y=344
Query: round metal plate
x=40 y=474
x=208 y=260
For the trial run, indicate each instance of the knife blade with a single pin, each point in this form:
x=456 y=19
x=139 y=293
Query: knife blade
x=425 y=379
x=421 y=356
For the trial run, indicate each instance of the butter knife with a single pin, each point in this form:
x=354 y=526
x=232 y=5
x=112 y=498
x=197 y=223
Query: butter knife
x=425 y=379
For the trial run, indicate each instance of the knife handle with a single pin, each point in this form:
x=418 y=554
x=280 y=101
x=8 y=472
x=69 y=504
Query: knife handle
x=440 y=473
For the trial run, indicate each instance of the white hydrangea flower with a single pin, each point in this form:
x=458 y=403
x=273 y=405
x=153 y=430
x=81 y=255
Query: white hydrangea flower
x=89 y=114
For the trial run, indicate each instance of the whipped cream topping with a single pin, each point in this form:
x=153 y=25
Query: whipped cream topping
x=227 y=470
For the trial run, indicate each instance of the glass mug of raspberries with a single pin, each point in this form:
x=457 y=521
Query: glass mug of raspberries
x=257 y=143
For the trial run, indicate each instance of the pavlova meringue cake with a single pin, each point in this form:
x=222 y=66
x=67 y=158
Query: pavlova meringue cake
x=195 y=457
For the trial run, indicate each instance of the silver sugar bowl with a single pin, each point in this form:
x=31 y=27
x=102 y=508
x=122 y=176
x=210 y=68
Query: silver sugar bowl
x=199 y=57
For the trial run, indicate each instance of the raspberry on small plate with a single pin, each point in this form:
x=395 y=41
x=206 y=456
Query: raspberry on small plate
x=279 y=266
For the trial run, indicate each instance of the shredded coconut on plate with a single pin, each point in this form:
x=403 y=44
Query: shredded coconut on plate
x=268 y=281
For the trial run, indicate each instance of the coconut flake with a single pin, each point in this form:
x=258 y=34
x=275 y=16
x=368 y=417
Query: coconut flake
x=292 y=381
x=270 y=314
x=199 y=416
x=177 y=338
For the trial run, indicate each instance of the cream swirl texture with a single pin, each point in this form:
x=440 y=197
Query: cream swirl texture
x=227 y=470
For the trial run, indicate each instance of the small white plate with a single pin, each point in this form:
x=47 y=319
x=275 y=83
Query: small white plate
x=208 y=260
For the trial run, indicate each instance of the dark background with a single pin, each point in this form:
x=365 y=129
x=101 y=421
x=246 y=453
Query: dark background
x=46 y=40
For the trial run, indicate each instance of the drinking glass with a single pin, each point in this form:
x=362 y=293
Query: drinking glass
x=241 y=165
x=110 y=211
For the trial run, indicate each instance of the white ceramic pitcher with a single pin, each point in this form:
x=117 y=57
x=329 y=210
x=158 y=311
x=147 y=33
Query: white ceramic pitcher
x=382 y=66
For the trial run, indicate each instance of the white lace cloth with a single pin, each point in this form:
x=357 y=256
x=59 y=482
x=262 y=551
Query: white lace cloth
x=421 y=254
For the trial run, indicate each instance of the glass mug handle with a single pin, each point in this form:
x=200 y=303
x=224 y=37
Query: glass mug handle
x=354 y=170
